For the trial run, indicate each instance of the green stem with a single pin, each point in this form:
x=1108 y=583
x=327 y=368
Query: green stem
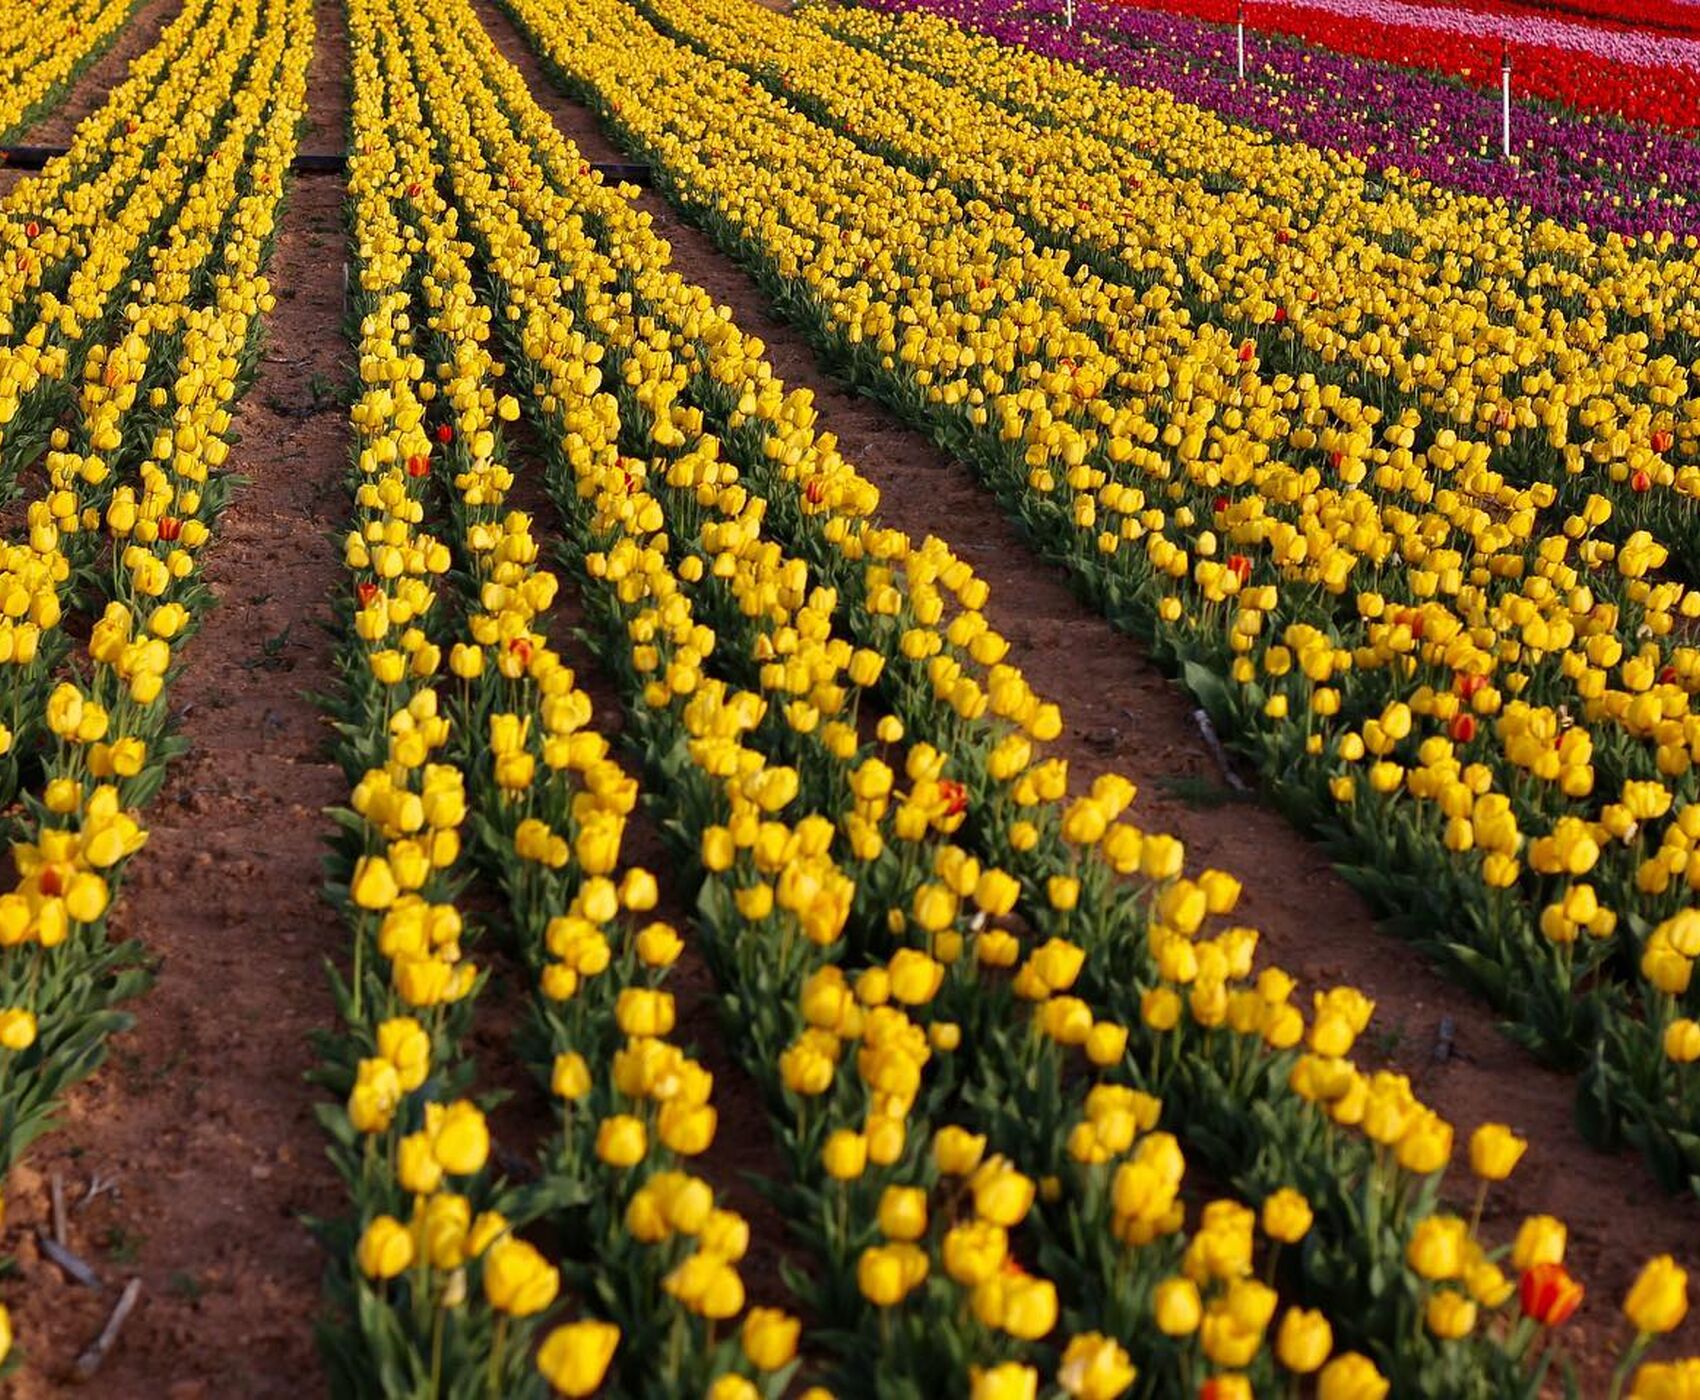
x=437 y=1352
x=1476 y=1213
x=359 y=964
x=498 y=1345
x=1637 y=1349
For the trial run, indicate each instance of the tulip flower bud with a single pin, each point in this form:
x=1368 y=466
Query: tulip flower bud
x=974 y=1251
x=1682 y=1041
x=1351 y=1376
x=1009 y=1380
x=845 y=1155
x=621 y=1141
x=1658 y=1299
x=1549 y=1295
x=1495 y=1151
x=386 y=1248
x=1303 y=1341
x=903 y=1213
x=1540 y=1240
x=574 y=1358
x=769 y=1338
x=518 y=1280
x=881 y=1275
x=1177 y=1307
x=1449 y=1314
x=1287 y=1216
x=1095 y=1367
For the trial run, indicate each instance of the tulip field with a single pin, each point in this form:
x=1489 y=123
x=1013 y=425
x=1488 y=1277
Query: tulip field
x=889 y=699
x=1635 y=60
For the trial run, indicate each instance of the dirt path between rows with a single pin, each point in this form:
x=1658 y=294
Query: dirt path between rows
x=202 y=1120
x=1124 y=714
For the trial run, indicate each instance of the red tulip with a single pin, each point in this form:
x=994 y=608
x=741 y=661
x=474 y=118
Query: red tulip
x=1463 y=728
x=1662 y=440
x=1640 y=481
x=1549 y=1294
x=446 y=433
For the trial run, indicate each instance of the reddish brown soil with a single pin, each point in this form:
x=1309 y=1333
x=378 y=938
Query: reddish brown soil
x=1125 y=715
x=202 y=1121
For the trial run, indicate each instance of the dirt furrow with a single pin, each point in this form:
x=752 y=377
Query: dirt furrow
x=1124 y=714
x=201 y=1125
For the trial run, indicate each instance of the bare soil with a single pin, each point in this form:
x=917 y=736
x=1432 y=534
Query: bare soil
x=1125 y=715
x=202 y=1120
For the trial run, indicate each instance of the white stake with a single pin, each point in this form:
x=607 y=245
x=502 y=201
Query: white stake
x=1505 y=101
x=1240 y=43
x=1071 y=14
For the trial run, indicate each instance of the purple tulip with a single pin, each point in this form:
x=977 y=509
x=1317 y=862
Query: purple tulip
x=1570 y=166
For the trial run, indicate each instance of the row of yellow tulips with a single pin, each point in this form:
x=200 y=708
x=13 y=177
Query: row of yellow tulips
x=617 y=315
x=1449 y=721
x=130 y=492
x=44 y=46
x=446 y=1302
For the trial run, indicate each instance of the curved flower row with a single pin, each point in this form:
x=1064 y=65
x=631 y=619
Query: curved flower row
x=44 y=45
x=129 y=497
x=669 y=485
x=445 y=1292
x=1630 y=177
x=1473 y=642
x=1620 y=70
